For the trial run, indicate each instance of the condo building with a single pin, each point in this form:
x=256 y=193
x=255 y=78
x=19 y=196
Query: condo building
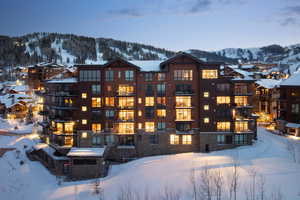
x=123 y=110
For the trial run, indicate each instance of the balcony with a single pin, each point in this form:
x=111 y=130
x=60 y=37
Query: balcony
x=184 y=93
x=242 y=93
x=125 y=94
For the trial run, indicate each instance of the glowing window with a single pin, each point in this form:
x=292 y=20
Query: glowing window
x=125 y=128
x=161 y=113
x=84 y=121
x=140 y=100
x=96 y=127
x=209 y=74
x=241 y=126
x=126 y=102
x=84 y=95
x=223 y=100
x=186 y=139
x=149 y=101
x=125 y=90
x=183 y=114
x=149 y=126
x=140 y=125
x=206 y=94
x=83 y=108
x=183 y=101
x=174 y=139
x=223 y=126
x=109 y=101
x=241 y=100
x=161 y=100
x=69 y=127
x=84 y=135
x=126 y=115
x=206 y=120
x=140 y=113
x=206 y=107
x=96 y=102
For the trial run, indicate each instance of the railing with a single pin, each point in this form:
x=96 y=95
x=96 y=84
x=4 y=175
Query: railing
x=184 y=92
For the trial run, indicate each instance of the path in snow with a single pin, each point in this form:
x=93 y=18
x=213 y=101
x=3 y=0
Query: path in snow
x=269 y=156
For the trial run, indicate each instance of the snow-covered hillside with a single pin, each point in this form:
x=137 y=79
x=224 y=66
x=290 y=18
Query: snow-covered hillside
x=272 y=53
x=69 y=49
x=268 y=158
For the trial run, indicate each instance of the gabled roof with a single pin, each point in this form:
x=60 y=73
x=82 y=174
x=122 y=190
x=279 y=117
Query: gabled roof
x=179 y=55
x=120 y=60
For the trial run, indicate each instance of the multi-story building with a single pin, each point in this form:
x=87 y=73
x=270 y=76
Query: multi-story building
x=289 y=102
x=38 y=74
x=126 y=110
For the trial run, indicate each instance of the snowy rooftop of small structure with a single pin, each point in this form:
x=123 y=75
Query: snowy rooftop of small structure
x=86 y=152
x=268 y=83
x=246 y=78
x=20 y=88
x=247 y=66
x=10 y=100
x=292 y=125
x=65 y=80
x=147 y=65
x=49 y=150
x=293 y=80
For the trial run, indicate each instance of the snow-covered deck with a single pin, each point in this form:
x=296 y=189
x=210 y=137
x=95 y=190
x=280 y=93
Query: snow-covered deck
x=86 y=152
x=292 y=125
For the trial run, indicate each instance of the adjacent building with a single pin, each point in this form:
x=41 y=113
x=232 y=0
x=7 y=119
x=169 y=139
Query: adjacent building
x=124 y=110
x=288 y=110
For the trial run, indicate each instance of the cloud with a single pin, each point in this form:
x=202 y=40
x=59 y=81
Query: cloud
x=293 y=10
x=289 y=21
x=291 y=16
x=129 y=12
x=171 y=7
x=199 y=6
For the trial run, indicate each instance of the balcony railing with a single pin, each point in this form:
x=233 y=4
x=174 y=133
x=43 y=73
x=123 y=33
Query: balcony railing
x=126 y=94
x=184 y=92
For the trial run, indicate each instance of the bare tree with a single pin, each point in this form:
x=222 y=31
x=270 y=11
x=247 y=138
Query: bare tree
x=193 y=182
x=128 y=193
x=276 y=194
x=170 y=194
x=291 y=148
x=97 y=189
x=205 y=184
x=250 y=189
x=218 y=182
x=261 y=187
x=233 y=179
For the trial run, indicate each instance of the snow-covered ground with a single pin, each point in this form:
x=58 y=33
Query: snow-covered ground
x=268 y=157
x=15 y=126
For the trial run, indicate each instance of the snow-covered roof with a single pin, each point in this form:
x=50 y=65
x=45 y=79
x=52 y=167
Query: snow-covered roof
x=20 y=88
x=65 y=80
x=147 y=65
x=247 y=78
x=247 y=66
x=268 y=83
x=292 y=125
x=10 y=100
x=293 y=80
x=49 y=150
x=86 y=152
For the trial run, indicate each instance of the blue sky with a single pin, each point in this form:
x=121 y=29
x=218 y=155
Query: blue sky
x=171 y=24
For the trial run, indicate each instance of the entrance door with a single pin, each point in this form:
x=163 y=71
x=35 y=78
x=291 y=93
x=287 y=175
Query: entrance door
x=207 y=148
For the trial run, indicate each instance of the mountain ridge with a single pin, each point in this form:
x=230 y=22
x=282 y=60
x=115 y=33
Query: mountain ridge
x=72 y=49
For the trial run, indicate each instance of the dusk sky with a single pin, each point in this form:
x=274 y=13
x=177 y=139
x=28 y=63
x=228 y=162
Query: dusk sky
x=172 y=24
